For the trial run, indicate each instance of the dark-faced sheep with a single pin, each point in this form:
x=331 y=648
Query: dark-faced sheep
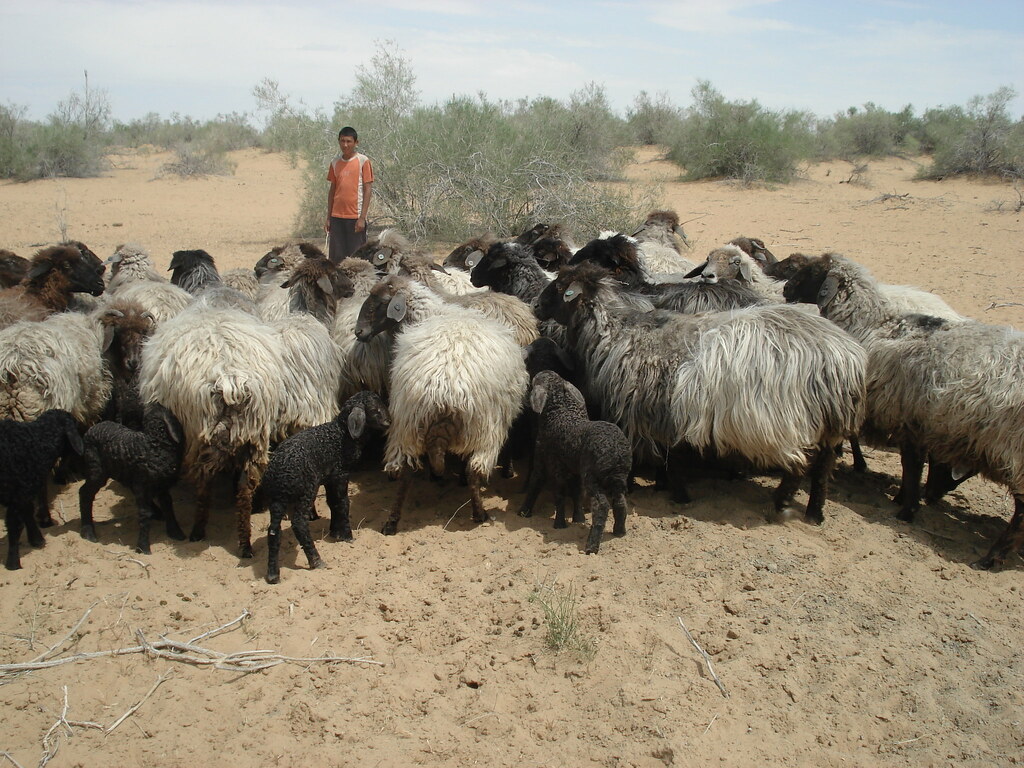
x=53 y=276
x=146 y=461
x=588 y=458
x=28 y=452
x=13 y=268
x=323 y=455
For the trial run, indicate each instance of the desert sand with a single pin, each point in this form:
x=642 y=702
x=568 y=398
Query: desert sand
x=865 y=641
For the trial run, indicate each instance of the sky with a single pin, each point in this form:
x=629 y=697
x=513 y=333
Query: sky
x=203 y=58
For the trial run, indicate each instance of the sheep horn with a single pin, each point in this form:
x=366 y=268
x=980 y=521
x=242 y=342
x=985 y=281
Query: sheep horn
x=696 y=272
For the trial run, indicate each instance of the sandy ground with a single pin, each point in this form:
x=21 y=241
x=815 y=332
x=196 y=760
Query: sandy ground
x=862 y=642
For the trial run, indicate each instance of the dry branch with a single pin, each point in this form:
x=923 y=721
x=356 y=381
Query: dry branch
x=707 y=659
x=173 y=650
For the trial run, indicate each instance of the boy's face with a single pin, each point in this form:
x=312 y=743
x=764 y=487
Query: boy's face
x=348 y=146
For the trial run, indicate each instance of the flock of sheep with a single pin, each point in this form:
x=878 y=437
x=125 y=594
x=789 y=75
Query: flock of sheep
x=590 y=365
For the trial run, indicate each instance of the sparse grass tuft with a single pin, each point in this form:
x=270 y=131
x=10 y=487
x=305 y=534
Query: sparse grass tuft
x=561 y=618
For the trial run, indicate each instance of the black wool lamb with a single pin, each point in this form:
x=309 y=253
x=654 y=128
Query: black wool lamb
x=28 y=451
x=570 y=448
x=322 y=455
x=148 y=462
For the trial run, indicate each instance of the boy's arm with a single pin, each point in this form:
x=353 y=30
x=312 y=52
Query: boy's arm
x=330 y=206
x=367 y=196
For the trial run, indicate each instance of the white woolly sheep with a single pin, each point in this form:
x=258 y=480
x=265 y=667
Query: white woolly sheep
x=457 y=382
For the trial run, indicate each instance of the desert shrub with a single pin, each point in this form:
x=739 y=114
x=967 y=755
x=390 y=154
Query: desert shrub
x=653 y=121
x=444 y=171
x=979 y=139
x=740 y=140
x=197 y=158
x=15 y=160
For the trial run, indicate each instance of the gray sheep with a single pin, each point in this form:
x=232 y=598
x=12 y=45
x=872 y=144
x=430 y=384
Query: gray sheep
x=147 y=462
x=322 y=455
x=591 y=456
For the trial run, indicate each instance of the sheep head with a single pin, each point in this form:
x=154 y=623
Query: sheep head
x=67 y=267
x=789 y=266
x=460 y=253
x=551 y=252
x=726 y=263
x=384 y=309
x=384 y=251
x=489 y=267
x=755 y=249
x=533 y=234
x=807 y=285
x=575 y=287
x=617 y=254
x=316 y=285
x=13 y=268
x=126 y=327
x=364 y=412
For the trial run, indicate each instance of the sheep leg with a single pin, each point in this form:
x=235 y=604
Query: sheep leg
x=783 y=496
x=859 y=465
x=1010 y=540
x=147 y=512
x=247 y=485
x=86 y=495
x=560 y=521
x=15 y=522
x=391 y=524
x=475 y=481
x=619 y=510
x=300 y=527
x=534 y=485
x=203 y=482
x=912 y=458
x=675 y=462
x=43 y=515
x=821 y=475
x=166 y=506
x=277 y=514
x=940 y=481
x=337 y=501
x=578 y=506
x=598 y=517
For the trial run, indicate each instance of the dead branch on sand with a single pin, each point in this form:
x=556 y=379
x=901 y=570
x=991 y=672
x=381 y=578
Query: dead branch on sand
x=173 y=650
x=707 y=659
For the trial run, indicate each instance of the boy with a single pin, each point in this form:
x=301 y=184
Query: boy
x=348 y=199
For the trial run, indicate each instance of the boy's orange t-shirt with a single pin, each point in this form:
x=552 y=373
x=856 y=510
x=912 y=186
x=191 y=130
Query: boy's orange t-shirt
x=349 y=176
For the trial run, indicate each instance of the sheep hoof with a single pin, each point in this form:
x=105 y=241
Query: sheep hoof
x=906 y=515
x=525 y=512
x=175 y=533
x=13 y=566
x=89 y=533
x=815 y=518
x=37 y=541
x=390 y=528
x=273 y=578
x=987 y=563
x=143 y=550
x=619 y=531
x=318 y=563
x=197 y=535
x=561 y=524
x=246 y=551
x=341 y=535
x=46 y=521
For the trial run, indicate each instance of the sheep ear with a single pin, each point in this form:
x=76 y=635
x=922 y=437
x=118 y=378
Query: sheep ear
x=696 y=272
x=828 y=290
x=538 y=396
x=74 y=439
x=438 y=268
x=745 y=271
x=115 y=259
x=573 y=291
x=575 y=394
x=384 y=253
x=108 y=337
x=38 y=270
x=356 y=421
x=325 y=285
x=474 y=258
x=397 y=308
x=149 y=316
x=642 y=228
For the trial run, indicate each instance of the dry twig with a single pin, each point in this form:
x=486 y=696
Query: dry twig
x=707 y=659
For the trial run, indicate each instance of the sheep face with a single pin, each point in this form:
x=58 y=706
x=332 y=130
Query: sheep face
x=126 y=327
x=755 y=249
x=185 y=262
x=13 y=268
x=82 y=270
x=533 y=234
x=316 y=286
x=383 y=311
x=806 y=284
x=726 y=263
x=365 y=412
x=785 y=269
x=270 y=262
x=617 y=254
x=487 y=268
x=551 y=253
x=573 y=288
x=457 y=258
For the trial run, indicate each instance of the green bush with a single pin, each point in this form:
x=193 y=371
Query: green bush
x=198 y=158
x=980 y=139
x=653 y=121
x=740 y=140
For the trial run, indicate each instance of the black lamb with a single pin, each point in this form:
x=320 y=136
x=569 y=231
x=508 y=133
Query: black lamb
x=193 y=270
x=147 y=462
x=571 y=448
x=28 y=452
x=322 y=455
